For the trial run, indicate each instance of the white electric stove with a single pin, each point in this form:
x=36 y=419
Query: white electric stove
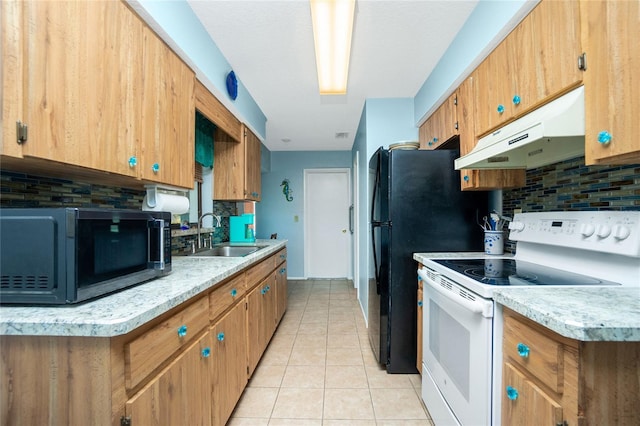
x=462 y=325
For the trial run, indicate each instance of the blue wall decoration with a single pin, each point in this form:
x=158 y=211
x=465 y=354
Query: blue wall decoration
x=286 y=190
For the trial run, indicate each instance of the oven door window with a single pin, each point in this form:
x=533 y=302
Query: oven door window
x=457 y=352
x=108 y=249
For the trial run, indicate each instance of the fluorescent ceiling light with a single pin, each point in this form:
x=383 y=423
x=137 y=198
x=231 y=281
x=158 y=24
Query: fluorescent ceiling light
x=332 y=27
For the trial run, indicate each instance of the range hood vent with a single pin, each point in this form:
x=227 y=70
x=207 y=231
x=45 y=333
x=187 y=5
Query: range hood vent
x=552 y=133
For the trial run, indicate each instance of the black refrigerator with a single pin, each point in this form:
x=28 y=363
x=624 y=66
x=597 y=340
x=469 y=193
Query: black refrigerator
x=416 y=206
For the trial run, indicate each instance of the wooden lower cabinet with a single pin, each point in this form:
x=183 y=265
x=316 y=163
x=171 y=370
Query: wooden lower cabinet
x=548 y=379
x=180 y=394
x=229 y=366
x=261 y=308
x=186 y=367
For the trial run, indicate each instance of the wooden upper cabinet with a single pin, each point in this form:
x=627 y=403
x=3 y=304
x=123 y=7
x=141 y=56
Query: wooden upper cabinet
x=236 y=168
x=612 y=101
x=168 y=116
x=82 y=83
x=12 y=75
x=216 y=112
x=252 y=175
x=537 y=62
x=441 y=126
x=97 y=90
x=479 y=179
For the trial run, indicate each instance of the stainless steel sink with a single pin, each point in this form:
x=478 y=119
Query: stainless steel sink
x=228 y=251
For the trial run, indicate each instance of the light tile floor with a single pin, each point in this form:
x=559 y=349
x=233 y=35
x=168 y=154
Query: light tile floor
x=319 y=368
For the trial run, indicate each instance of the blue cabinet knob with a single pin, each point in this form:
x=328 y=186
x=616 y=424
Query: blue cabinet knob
x=133 y=161
x=500 y=109
x=523 y=350
x=430 y=143
x=206 y=352
x=263 y=291
x=435 y=140
x=220 y=337
x=283 y=271
x=182 y=331
x=466 y=178
x=420 y=303
x=155 y=168
x=516 y=99
x=604 y=137
x=512 y=393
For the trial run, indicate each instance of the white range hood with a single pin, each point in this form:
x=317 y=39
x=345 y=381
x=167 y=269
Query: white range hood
x=554 y=132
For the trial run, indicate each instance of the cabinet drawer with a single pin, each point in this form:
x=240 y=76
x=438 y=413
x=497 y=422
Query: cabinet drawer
x=534 y=351
x=281 y=256
x=147 y=352
x=261 y=270
x=225 y=295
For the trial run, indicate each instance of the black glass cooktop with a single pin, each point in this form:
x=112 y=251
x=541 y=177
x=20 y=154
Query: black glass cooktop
x=502 y=272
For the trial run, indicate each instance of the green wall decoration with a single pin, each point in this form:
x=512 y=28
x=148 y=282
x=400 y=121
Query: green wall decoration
x=286 y=190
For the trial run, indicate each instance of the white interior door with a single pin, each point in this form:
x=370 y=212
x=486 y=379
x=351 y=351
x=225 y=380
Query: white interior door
x=327 y=199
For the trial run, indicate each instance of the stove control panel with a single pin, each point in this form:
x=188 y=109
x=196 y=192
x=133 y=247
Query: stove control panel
x=605 y=231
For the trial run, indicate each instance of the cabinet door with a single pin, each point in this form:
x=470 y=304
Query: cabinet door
x=610 y=40
x=543 y=53
x=281 y=290
x=523 y=403
x=180 y=394
x=12 y=74
x=168 y=135
x=441 y=126
x=252 y=166
x=479 y=179
x=261 y=319
x=491 y=90
x=229 y=361
x=83 y=79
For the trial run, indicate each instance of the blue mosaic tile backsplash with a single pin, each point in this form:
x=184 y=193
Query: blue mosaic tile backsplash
x=570 y=185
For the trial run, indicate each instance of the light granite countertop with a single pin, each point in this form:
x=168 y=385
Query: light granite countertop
x=581 y=313
x=124 y=311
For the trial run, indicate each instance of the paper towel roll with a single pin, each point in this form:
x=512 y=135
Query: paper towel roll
x=176 y=204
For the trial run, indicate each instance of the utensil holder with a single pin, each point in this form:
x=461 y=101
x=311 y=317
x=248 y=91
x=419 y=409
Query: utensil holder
x=493 y=242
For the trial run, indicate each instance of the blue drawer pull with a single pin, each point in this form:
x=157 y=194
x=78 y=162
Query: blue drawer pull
x=182 y=331
x=512 y=393
x=523 y=350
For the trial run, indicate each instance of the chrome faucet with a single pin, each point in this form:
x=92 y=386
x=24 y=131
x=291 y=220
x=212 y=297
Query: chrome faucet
x=216 y=224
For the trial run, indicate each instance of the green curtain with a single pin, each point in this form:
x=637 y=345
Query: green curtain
x=204 y=140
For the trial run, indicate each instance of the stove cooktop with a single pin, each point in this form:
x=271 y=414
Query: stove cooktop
x=512 y=272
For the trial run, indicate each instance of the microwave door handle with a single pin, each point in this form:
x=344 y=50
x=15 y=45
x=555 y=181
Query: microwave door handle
x=477 y=306
x=161 y=244
x=156 y=231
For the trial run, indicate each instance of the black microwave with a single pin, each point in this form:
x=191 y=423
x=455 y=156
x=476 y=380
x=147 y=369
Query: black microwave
x=55 y=256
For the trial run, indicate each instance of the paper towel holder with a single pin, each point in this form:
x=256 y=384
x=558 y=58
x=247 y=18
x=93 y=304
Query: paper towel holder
x=151 y=200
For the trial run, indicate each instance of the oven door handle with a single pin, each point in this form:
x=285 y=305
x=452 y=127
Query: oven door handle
x=483 y=307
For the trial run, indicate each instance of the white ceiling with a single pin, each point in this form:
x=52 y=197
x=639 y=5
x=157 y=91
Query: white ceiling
x=269 y=44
